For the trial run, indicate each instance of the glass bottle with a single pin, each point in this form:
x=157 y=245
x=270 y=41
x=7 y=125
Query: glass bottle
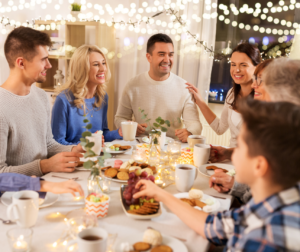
x=154 y=149
x=93 y=183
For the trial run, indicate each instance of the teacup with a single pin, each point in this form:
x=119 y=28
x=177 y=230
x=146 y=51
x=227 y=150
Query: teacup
x=24 y=208
x=185 y=176
x=129 y=130
x=201 y=154
x=90 y=240
x=196 y=139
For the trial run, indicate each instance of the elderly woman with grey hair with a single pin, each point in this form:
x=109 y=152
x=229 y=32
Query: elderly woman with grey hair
x=273 y=80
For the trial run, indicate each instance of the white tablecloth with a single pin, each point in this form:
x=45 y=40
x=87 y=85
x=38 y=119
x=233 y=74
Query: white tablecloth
x=50 y=224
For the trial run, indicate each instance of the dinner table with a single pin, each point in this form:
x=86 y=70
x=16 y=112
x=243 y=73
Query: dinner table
x=51 y=223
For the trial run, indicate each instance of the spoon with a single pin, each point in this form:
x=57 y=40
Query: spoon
x=7 y=221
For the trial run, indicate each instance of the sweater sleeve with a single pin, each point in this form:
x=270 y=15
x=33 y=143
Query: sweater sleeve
x=59 y=121
x=32 y=168
x=220 y=125
x=241 y=191
x=124 y=112
x=54 y=147
x=191 y=117
x=108 y=135
x=18 y=182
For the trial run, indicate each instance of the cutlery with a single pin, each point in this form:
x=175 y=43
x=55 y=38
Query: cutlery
x=7 y=222
x=65 y=177
x=138 y=140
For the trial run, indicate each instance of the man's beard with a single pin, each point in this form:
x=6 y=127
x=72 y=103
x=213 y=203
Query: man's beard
x=40 y=79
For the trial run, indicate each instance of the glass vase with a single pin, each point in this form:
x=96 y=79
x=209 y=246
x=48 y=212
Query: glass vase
x=154 y=149
x=93 y=183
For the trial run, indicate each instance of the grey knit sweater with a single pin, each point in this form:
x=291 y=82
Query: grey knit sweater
x=25 y=132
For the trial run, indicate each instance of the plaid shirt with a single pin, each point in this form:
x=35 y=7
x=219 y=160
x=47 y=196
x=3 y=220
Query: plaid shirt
x=269 y=226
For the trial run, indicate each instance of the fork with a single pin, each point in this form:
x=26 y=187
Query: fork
x=65 y=177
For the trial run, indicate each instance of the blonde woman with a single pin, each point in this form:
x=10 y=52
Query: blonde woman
x=83 y=94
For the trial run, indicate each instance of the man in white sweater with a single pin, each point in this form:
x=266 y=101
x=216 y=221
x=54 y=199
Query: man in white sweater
x=159 y=92
x=26 y=142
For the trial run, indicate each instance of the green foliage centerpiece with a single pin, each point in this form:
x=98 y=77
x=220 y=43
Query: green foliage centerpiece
x=75 y=7
x=93 y=181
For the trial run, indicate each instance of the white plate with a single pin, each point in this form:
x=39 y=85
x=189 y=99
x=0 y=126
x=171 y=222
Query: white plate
x=81 y=168
x=117 y=152
x=50 y=199
x=172 y=242
x=214 y=208
x=208 y=173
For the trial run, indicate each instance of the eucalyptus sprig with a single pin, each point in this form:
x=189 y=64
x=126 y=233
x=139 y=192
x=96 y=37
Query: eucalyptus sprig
x=76 y=7
x=88 y=145
x=158 y=126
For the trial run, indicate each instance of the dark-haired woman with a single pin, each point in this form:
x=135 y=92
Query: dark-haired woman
x=244 y=60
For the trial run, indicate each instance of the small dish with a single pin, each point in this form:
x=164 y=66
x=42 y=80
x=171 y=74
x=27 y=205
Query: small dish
x=202 y=169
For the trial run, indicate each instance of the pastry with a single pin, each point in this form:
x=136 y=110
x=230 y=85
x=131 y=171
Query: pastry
x=153 y=168
x=111 y=172
x=153 y=237
x=213 y=167
x=118 y=163
x=148 y=170
x=195 y=194
x=162 y=248
x=125 y=165
x=141 y=246
x=117 y=145
x=123 y=175
x=133 y=168
x=124 y=170
x=144 y=165
x=105 y=168
x=131 y=161
x=188 y=201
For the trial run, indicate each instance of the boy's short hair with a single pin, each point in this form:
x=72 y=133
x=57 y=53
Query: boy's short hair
x=159 y=37
x=22 y=42
x=273 y=131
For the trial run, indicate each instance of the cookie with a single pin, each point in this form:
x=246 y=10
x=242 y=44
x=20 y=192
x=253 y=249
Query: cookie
x=213 y=167
x=123 y=175
x=162 y=248
x=126 y=147
x=199 y=203
x=105 y=168
x=111 y=172
x=117 y=145
x=141 y=246
x=124 y=170
x=188 y=201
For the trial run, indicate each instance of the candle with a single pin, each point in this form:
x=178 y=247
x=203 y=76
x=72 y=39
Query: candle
x=20 y=245
x=159 y=182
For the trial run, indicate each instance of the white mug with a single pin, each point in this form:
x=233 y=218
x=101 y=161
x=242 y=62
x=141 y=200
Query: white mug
x=87 y=241
x=201 y=154
x=185 y=176
x=24 y=208
x=196 y=139
x=97 y=139
x=129 y=130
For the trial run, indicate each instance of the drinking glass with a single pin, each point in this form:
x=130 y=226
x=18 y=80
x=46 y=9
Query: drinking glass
x=174 y=152
x=77 y=224
x=20 y=239
x=105 y=184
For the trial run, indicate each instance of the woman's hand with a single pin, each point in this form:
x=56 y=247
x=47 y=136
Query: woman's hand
x=69 y=186
x=120 y=132
x=103 y=140
x=194 y=92
x=78 y=148
x=221 y=181
x=148 y=189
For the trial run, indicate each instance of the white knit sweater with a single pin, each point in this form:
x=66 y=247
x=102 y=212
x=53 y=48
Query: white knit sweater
x=25 y=132
x=168 y=99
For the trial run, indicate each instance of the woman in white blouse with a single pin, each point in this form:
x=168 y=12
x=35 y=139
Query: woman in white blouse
x=244 y=60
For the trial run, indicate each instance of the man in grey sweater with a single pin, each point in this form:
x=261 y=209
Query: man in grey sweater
x=26 y=142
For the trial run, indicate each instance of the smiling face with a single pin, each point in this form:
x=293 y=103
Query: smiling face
x=98 y=69
x=241 y=68
x=35 y=70
x=258 y=85
x=161 y=59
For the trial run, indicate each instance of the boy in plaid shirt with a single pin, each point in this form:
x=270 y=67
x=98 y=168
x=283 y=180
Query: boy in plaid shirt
x=267 y=159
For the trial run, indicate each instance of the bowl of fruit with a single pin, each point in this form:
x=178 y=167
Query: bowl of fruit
x=140 y=208
x=97 y=204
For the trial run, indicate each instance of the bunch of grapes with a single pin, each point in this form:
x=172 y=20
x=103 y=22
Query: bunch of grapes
x=130 y=190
